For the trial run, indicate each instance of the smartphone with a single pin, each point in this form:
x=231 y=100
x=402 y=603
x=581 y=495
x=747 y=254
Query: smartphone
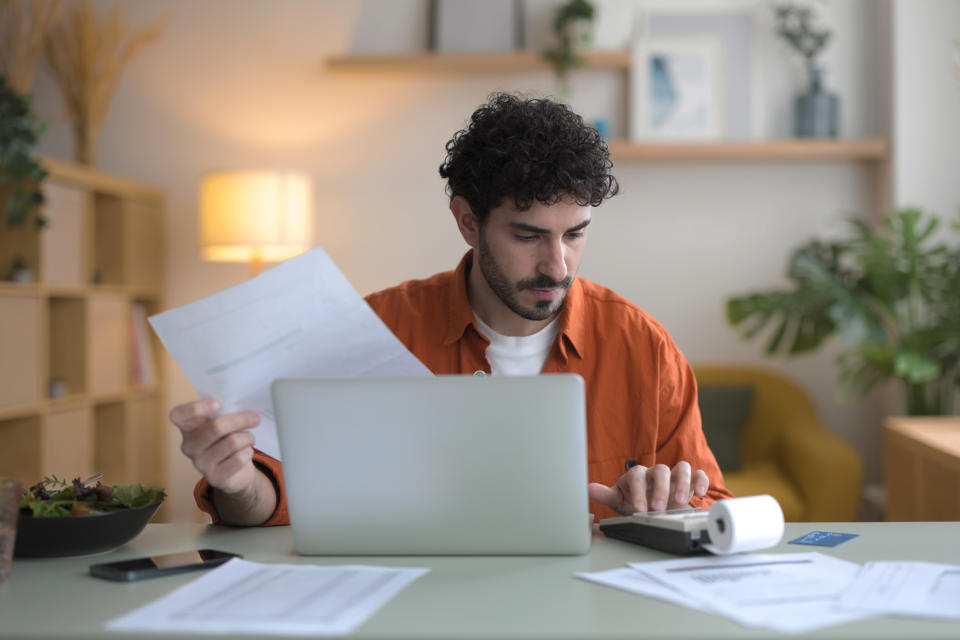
x=160 y=565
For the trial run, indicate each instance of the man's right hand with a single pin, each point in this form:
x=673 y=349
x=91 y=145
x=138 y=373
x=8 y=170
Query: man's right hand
x=221 y=448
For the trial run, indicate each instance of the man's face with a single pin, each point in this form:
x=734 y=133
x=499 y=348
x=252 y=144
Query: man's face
x=528 y=260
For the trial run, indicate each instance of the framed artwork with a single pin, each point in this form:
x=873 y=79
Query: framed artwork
x=468 y=25
x=741 y=75
x=675 y=89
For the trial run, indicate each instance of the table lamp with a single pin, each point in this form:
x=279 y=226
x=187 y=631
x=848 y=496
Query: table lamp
x=255 y=216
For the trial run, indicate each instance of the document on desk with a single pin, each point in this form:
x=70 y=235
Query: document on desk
x=792 y=593
x=918 y=589
x=244 y=597
x=789 y=592
x=300 y=319
x=629 y=579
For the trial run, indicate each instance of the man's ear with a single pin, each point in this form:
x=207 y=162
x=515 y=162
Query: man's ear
x=466 y=221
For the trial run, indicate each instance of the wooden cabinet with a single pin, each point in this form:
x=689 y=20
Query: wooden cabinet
x=80 y=392
x=922 y=468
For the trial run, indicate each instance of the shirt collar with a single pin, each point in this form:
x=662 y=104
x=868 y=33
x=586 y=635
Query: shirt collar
x=571 y=331
x=460 y=314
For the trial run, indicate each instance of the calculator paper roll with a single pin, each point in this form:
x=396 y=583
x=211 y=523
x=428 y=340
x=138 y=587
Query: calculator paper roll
x=744 y=524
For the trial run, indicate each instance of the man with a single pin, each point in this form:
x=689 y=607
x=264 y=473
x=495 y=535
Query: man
x=522 y=178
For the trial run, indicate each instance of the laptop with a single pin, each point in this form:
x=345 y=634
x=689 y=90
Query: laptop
x=445 y=465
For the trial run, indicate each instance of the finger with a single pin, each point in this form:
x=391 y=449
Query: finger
x=190 y=415
x=196 y=442
x=680 y=483
x=659 y=481
x=235 y=473
x=636 y=486
x=612 y=497
x=701 y=483
x=222 y=449
x=602 y=494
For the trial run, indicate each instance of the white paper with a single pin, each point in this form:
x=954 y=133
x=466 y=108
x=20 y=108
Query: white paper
x=788 y=592
x=276 y=599
x=744 y=524
x=634 y=581
x=920 y=589
x=300 y=319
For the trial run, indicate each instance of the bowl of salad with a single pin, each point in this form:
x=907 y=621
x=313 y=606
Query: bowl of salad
x=60 y=518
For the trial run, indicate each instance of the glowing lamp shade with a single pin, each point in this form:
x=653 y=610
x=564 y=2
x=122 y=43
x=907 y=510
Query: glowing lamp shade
x=255 y=216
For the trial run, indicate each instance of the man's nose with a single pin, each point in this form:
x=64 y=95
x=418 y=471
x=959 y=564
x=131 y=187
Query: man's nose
x=552 y=263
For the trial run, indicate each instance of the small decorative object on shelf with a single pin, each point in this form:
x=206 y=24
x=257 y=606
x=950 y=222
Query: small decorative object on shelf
x=58 y=387
x=87 y=56
x=817 y=111
x=572 y=27
x=467 y=25
x=19 y=271
x=20 y=173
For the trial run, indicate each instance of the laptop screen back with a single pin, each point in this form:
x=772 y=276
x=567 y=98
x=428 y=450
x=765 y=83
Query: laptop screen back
x=435 y=465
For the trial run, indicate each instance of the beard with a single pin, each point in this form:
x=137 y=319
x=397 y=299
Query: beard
x=508 y=292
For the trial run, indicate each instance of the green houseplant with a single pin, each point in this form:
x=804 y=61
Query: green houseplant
x=891 y=294
x=20 y=173
x=571 y=27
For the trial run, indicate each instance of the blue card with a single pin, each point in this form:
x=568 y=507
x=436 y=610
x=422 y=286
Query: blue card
x=824 y=538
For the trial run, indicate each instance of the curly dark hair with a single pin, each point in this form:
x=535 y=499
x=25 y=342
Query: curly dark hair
x=527 y=149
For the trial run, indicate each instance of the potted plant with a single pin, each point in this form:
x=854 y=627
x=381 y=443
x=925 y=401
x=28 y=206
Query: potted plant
x=571 y=26
x=892 y=294
x=20 y=173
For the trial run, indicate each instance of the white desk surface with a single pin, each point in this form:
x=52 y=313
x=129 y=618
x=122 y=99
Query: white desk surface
x=462 y=597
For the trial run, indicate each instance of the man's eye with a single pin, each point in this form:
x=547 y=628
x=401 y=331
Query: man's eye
x=573 y=235
x=525 y=238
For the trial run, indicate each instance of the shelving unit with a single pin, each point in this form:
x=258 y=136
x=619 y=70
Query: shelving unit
x=77 y=396
x=873 y=153
x=872 y=150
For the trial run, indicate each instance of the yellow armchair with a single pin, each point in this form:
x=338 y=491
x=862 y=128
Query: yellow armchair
x=786 y=451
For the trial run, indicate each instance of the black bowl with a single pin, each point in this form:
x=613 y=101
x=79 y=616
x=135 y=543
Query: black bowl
x=77 y=535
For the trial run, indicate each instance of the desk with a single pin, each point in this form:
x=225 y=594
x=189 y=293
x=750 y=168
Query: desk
x=462 y=597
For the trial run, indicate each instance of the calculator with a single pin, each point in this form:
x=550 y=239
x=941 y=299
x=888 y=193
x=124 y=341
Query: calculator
x=681 y=531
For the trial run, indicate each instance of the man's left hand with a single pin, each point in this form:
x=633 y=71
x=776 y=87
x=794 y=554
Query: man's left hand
x=654 y=488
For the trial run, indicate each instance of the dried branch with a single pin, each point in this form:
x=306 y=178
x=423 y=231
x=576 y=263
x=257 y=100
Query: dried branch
x=87 y=57
x=22 y=27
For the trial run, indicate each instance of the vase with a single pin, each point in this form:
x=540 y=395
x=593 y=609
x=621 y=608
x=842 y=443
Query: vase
x=817 y=110
x=84 y=143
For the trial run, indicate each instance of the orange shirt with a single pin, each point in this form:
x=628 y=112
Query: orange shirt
x=641 y=392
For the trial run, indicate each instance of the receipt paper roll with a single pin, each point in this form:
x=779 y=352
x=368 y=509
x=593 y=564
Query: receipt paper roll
x=744 y=524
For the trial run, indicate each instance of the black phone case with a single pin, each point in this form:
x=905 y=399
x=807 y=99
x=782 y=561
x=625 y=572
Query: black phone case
x=115 y=571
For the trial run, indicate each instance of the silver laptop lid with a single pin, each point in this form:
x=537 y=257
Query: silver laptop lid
x=457 y=465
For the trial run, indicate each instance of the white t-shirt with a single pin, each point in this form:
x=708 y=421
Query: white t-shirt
x=518 y=355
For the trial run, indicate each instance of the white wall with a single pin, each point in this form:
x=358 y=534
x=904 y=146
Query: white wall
x=926 y=105
x=242 y=85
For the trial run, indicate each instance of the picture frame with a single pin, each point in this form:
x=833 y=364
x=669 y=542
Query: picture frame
x=742 y=74
x=467 y=26
x=675 y=89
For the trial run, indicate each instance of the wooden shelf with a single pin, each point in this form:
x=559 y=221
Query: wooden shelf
x=95 y=179
x=12 y=411
x=63 y=327
x=19 y=289
x=492 y=62
x=789 y=150
x=868 y=149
